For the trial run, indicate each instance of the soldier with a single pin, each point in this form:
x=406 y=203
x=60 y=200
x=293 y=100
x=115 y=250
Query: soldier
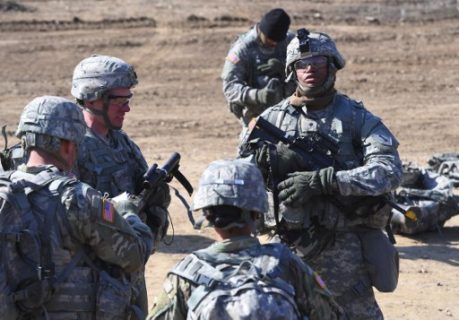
x=79 y=231
x=253 y=74
x=331 y=212
x=237 y=277
x=108 y=159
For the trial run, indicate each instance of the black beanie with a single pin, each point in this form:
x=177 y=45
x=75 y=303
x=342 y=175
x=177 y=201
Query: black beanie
x=275 y=24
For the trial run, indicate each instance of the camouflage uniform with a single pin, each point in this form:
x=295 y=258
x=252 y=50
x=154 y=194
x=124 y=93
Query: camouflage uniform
x=367 y=164
x=429 y=196
x=312 y=297
x=86 y=229
x=112 y=164
x=238 y=183
x=241 y=78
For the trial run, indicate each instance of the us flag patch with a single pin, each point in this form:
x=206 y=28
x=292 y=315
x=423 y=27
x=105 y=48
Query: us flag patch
x=108 y=212
x=232 y=58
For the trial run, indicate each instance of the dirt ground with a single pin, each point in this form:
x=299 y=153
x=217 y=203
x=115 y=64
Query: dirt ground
x=402 y=61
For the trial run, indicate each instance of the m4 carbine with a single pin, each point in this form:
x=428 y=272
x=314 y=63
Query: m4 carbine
x=155 y=175
x=317 y=151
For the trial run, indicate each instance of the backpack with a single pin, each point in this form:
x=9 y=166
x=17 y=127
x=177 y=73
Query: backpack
x=26 y=267
x=243 y=286
x=428 y=194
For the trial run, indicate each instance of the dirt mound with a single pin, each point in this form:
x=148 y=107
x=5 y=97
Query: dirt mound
x=13 y=6
x=76 y=24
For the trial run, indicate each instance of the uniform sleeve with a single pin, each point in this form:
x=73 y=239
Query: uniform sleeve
x=171 y=303
x=121 y=240
x=312 y=296
x=381 y=171
x=236 y=76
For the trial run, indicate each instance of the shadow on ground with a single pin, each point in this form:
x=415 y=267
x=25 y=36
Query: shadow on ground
x=434 y=246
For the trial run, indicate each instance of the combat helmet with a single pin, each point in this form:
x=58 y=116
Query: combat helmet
x=236 y=183
x=48 y=119
x=98 y=74
x=52 y=116
x=307 y=44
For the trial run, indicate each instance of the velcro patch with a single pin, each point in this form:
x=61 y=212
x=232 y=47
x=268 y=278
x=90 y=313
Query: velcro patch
x=234 y=59
x=108 y=212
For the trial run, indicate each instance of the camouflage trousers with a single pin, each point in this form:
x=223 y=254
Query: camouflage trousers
x=342 y=267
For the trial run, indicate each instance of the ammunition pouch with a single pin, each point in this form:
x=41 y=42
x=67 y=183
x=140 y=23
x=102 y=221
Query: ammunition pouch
x=113 y=299
x=32 y=295
x=381 y=258
x=310 y=242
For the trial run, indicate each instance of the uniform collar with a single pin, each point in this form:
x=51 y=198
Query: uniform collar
x=234 y=244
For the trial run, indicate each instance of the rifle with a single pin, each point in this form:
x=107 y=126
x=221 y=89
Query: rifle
x=155 y=175
x=317 y=152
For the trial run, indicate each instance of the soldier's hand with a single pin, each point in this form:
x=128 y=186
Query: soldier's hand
x=299 y=187
x=161 y=197
x=158 y=221
x=274 y=67
x=271 y=94
x=288 y=161
x=126 y=203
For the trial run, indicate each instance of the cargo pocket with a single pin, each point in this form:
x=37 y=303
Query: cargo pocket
x=382 y=259
x=113 y=298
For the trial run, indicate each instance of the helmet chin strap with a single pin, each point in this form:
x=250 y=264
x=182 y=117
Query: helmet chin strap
x=103 y=113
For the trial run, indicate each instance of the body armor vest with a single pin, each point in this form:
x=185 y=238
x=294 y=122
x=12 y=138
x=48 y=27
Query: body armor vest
x=113 y=167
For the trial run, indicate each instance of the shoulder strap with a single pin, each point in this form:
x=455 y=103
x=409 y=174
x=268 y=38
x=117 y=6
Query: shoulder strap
x=197 y=271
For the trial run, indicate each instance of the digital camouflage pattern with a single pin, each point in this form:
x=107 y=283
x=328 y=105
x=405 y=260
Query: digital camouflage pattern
x=112 y=166
x=311 y=296
x=52 y=116
x=76 y=215
x=115 y=166
x=98 y=74
x=235 y=183
x=429 y=195
x=240 y=76
x=367 y=164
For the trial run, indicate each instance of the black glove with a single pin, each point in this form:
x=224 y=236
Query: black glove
x=287 y=161
x=156 y=210
x=273 y=68
x=271 y=94
x=158 y=221
x=299 y=187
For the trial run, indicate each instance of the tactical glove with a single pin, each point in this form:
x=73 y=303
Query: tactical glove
x=156 y=210
x=272 y=68
x=271 y=94
x=286 y=161
x=299 y=187
x=158 y=221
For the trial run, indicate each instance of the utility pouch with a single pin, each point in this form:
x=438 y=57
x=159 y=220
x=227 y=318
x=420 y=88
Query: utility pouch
x=32 y=295
x=382 y=259
x=113 y=298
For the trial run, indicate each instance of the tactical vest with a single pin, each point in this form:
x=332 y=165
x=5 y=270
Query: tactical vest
x=342 y=122
x=111 y=169
x=42 y=265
